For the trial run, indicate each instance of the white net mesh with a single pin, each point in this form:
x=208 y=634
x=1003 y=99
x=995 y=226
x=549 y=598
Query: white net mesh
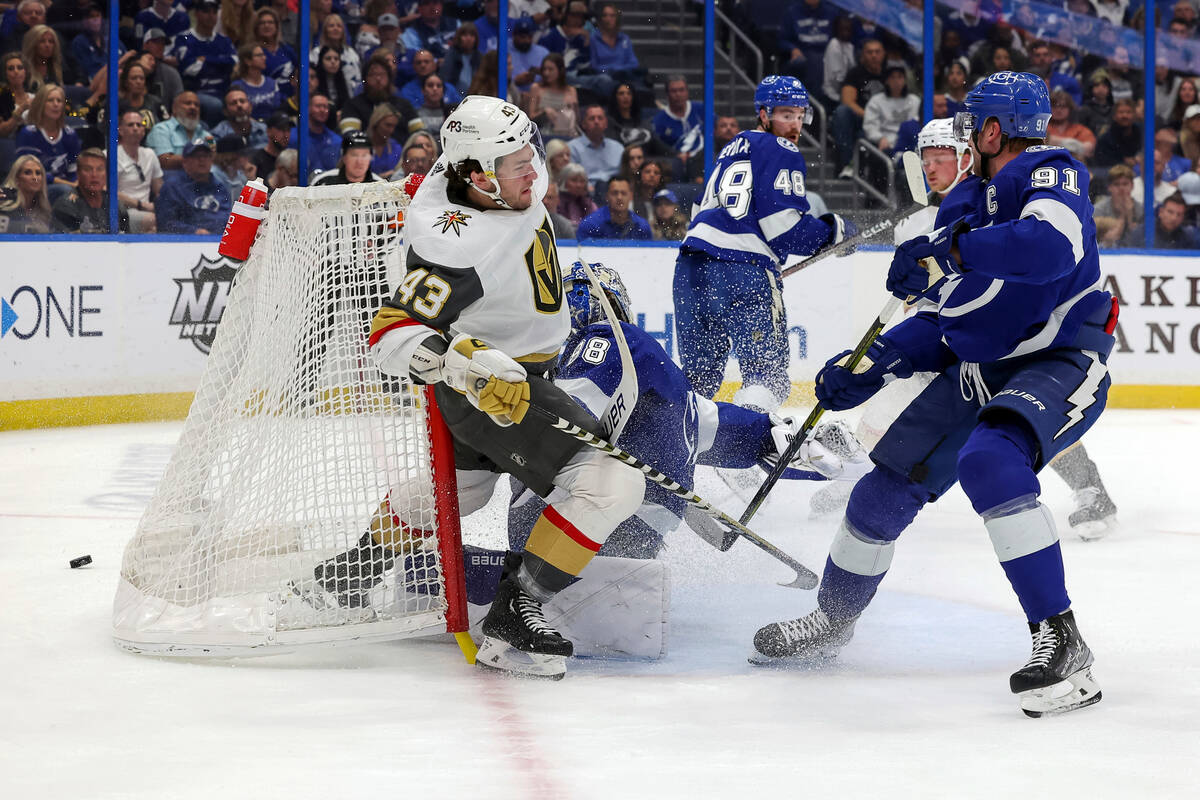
x=299 y=504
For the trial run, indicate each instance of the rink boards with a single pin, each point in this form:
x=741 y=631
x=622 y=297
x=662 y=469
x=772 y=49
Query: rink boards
x=119 y=331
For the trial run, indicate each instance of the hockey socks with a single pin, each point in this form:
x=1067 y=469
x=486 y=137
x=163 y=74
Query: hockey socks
x=555 y=554
x=1026 y=542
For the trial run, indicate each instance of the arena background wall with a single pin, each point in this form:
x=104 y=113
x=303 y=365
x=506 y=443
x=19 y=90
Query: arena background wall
x=110 y=331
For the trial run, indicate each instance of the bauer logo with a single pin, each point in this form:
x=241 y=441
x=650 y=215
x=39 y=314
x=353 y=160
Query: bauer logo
x=201 y=300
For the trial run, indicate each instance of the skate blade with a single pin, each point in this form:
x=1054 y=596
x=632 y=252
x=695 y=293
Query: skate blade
x=1096 y=529
x=814 y=660
x=1078 y=691
x=498 y=656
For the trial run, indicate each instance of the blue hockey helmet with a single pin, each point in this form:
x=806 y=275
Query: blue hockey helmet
x=1020 y=102
x=581 y=299
x=782 y=90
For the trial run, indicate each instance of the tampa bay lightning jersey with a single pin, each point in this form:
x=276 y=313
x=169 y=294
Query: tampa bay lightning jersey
x=754 y=208
x=1032 y=269
x=666 y=424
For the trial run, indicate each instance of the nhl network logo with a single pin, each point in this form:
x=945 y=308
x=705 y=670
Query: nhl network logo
x=201 y=300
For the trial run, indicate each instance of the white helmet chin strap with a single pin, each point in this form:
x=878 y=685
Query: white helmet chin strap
x=489 y=172
x=962 y=171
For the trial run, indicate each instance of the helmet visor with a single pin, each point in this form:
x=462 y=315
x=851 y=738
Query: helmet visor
x=964 y=126
x=528 y=159
x=790 y=114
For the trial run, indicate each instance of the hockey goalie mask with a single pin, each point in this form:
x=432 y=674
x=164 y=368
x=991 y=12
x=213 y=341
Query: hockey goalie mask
x=505 y=142
x=581 y=297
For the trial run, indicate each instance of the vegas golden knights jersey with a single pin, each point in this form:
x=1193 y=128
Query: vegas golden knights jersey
x=492 y=274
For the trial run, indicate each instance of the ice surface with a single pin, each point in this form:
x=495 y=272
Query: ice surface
x=917 y=706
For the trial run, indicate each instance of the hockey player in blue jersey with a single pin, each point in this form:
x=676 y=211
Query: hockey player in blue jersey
x=646 y=407
x=1020 y=342
x=752 y=215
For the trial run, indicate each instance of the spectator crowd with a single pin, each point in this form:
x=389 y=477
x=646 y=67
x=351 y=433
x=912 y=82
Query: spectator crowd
x=209 y=98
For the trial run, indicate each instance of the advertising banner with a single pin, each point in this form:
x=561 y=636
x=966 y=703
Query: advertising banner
x=79 y=319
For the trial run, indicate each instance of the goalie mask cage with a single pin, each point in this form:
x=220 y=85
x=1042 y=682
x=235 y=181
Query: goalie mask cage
x=293 y=441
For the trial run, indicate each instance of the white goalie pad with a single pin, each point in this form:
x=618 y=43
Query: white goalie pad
x=619 y=608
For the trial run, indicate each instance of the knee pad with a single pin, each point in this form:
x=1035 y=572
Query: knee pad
x=883 y=504
x=995 y=466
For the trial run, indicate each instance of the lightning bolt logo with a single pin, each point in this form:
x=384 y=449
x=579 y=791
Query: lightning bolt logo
x=1084 y=395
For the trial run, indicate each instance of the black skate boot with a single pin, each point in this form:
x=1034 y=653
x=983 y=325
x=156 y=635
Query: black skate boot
x=339 y=593
x=815 y=637
x=516 y=638
x=351 y=575
x=1058 y=677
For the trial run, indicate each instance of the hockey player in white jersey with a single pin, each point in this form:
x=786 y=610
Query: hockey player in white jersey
x=1020 y=341
x=481 y=314
x=752 y=215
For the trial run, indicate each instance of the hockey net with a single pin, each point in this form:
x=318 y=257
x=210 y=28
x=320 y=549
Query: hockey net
x=293 y=442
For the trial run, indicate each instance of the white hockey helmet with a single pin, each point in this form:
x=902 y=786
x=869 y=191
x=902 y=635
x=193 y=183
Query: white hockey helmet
x=485 y=129
x=940 y=133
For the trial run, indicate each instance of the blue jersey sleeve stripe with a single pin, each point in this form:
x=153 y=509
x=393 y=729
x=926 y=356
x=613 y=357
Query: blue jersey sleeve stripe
x=707 y=421
x=746 y=242
x=587 y=393
x=1061 y=217
x=1046 y=336
x=779 y=223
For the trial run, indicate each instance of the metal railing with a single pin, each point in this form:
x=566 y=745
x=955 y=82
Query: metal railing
x=886 y=164
x=736 y=34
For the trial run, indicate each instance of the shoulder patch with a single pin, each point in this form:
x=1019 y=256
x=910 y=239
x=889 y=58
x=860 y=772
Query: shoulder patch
x=452 y=219
x=787 y=144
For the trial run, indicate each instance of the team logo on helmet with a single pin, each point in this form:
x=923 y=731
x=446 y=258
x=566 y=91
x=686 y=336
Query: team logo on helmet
x=452 y=220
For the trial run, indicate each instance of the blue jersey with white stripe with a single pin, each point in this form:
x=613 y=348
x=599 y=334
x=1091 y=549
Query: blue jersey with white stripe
x=754 y=207
x=1032 y=269
x=666 y=424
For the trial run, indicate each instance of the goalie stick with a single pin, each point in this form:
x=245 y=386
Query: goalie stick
x=723 y=530
x=916 y=186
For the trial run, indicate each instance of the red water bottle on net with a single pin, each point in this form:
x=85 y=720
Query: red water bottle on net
x=247 y=215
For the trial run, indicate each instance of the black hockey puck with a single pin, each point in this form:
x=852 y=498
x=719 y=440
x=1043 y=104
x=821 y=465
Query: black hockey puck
x=82 y=561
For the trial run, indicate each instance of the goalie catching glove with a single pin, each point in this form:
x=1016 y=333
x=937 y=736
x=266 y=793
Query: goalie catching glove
x=831 y=452
x=492 y=381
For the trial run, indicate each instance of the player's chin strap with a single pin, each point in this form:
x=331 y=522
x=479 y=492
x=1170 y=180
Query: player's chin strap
x=723 y=528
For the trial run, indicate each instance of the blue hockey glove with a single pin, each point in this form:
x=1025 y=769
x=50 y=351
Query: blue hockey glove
x=838 y=388
x=921 y=264
x=841 y=229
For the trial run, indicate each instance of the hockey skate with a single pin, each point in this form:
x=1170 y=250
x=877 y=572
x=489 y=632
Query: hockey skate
x=1058 y=676
x=339 y=593
x=516 y=638
x=1095 y=514
x=809 y=639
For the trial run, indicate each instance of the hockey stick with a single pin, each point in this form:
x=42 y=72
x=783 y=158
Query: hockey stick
x=916 y=186
x=730 y=528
